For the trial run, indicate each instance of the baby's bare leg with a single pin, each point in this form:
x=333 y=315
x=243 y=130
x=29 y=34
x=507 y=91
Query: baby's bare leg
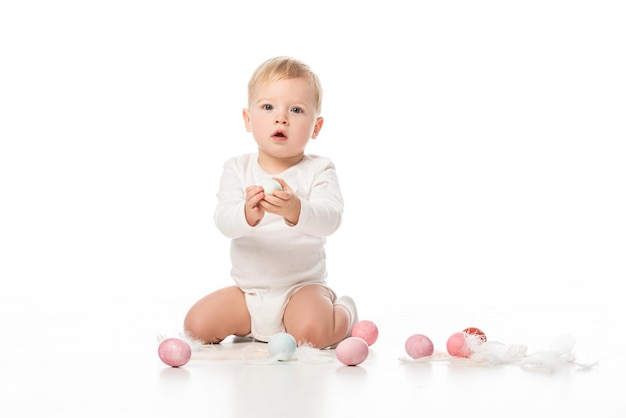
x=218 y=315
x=311 y=318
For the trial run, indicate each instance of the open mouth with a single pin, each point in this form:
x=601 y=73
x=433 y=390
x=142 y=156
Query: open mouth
x=279 y=135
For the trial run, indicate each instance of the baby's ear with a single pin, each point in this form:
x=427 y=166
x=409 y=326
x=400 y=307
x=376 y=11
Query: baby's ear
x=246 y=120
x=318 y=127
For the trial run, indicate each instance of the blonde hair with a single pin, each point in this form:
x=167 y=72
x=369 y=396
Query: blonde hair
x=285 y=68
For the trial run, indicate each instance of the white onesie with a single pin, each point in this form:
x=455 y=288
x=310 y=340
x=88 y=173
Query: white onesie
x=273 y=259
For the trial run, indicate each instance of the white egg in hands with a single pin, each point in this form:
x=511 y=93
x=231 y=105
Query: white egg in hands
x=270 y=185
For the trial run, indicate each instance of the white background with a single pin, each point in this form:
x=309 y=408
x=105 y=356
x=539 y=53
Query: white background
x=480 y=148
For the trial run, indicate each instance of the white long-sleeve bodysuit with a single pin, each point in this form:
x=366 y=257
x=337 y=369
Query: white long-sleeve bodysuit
x=273 y=258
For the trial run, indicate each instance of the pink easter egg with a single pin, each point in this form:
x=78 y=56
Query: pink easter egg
x=174 y=352
x=418 y=346
x=352 y=351
x=457 y=345
x=365 y=329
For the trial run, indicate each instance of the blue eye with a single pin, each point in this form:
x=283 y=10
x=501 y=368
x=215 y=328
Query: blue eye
x=296 y=109
x=268 y=107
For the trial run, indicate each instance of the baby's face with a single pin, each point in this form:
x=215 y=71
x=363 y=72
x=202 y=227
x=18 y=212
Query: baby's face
x=283 y=117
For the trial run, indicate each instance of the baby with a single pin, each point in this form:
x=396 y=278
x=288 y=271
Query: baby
x=278 y=238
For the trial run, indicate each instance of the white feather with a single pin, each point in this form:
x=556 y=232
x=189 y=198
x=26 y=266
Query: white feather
x=559 y=355
x=494 y=353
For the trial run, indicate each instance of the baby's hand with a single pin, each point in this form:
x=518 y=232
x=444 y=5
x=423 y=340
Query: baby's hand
x=282 y=202
x=254 y=212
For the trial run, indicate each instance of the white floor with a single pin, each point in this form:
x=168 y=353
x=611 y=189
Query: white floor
x=99 y=358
